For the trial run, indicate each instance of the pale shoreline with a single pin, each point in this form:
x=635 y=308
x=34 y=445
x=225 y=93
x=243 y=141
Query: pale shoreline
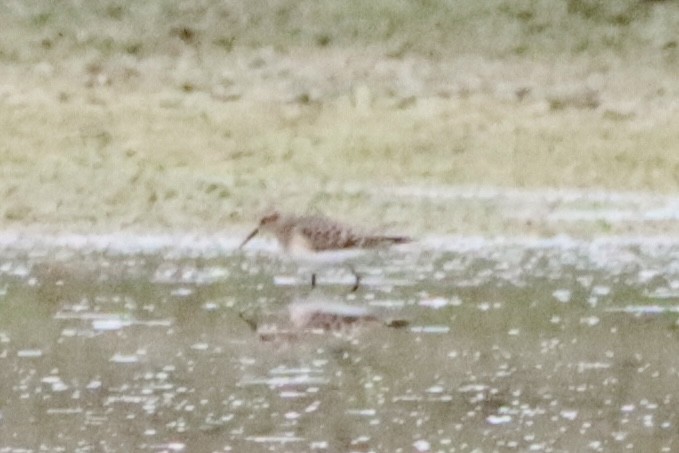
x=420 y=211
x=191 y=244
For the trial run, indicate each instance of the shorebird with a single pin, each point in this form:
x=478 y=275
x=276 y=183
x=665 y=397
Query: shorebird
x=320 y=240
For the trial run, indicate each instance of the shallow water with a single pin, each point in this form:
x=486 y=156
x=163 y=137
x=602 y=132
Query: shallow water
x=527 y=346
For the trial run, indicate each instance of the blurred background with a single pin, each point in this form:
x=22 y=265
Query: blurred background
x=196 y=116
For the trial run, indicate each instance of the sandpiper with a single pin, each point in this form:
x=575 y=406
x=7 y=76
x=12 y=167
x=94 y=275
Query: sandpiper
x=319 y=239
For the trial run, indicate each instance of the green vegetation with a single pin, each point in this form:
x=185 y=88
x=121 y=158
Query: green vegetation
x=158 y=115
x=433 y=28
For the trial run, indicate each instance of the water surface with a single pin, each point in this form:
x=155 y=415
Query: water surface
x=552 y=345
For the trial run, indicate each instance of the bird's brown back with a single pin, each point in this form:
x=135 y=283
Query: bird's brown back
x=325 y=234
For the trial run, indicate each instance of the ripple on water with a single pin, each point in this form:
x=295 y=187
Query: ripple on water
x=124 y=358
x=498 y=419
x=114 y=322
x=55 y=383
x=29 y=353
x=644 y=309
x=430 y=329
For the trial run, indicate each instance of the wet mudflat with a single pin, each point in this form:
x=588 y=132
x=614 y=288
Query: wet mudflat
x=527 y=346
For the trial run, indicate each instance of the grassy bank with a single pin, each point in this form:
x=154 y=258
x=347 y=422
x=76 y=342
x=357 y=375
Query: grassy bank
x=118 y=115
x=434 y=29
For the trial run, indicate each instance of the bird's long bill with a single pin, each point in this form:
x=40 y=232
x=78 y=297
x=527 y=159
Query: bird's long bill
x=250 y=236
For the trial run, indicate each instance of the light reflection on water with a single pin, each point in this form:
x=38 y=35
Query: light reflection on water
x=539 y=348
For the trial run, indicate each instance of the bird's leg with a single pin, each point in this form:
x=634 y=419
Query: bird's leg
x=249 y=321
x=313 y=280
x=357 y=277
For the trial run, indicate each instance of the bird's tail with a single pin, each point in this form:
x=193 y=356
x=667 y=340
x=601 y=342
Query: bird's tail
x=389 y=239
x=399 y=239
